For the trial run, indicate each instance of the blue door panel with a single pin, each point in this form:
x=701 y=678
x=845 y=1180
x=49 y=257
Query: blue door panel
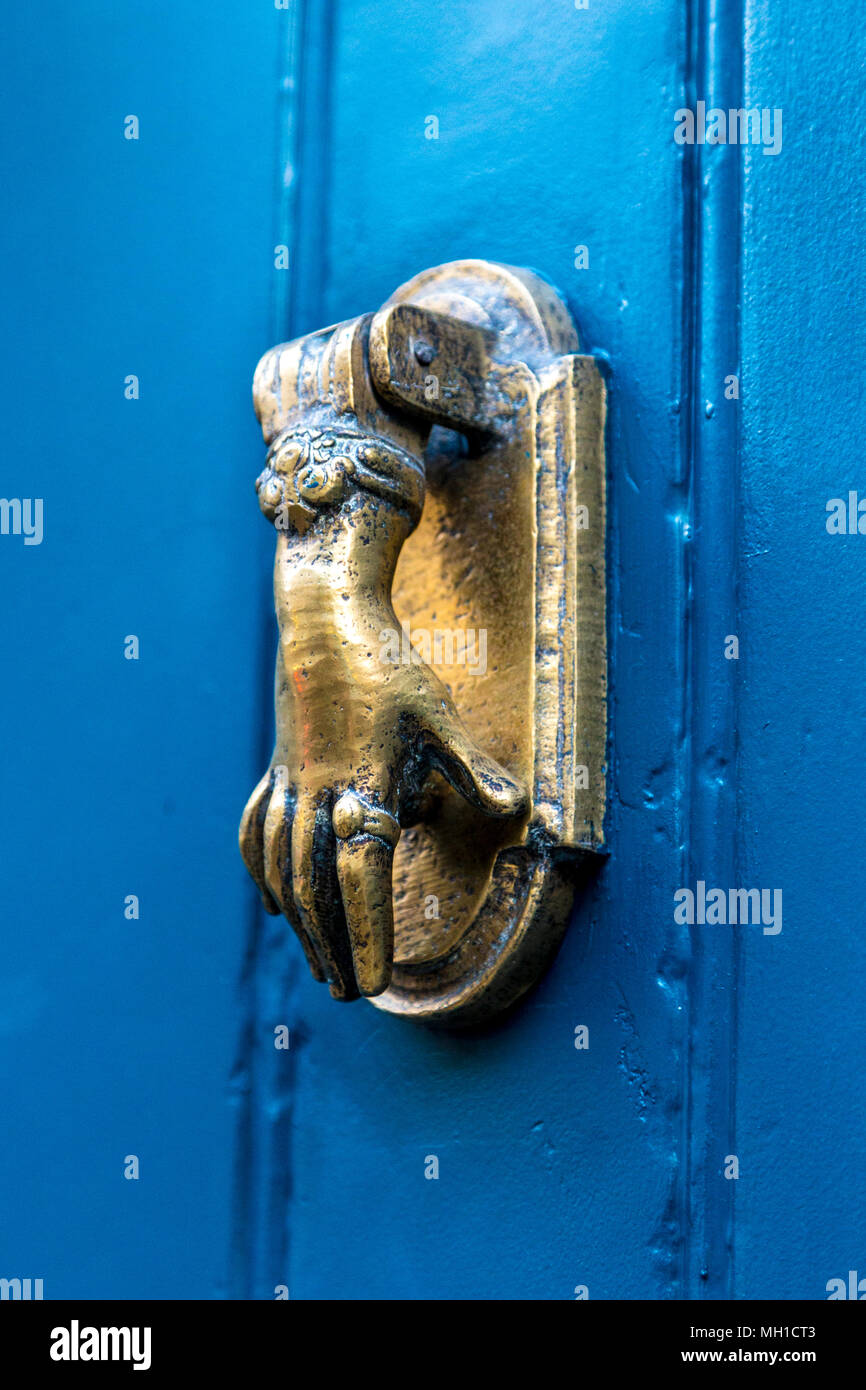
x=801 y=1102
x=124 y=777
x=557 y=1167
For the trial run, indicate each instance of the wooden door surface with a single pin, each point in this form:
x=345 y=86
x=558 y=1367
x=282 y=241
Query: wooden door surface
x=287 y=167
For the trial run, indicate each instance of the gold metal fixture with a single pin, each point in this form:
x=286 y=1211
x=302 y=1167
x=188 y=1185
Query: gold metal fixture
x=439 y=769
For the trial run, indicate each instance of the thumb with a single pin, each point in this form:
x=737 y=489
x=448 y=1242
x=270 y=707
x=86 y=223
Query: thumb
x=481 y=780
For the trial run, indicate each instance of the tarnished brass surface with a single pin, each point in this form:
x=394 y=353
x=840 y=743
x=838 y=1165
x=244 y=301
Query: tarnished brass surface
x=396 y=612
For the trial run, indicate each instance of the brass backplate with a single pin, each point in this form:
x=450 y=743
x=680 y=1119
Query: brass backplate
x=501 y=589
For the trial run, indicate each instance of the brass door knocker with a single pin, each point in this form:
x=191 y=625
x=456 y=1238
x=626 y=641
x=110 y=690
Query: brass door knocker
x=439 y=766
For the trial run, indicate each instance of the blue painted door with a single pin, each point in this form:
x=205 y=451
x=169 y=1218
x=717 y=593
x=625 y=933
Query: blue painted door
x=709 y=1142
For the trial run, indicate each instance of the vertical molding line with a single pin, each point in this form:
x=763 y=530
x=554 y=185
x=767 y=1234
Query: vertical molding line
x=290 y=22
x=312 y=158
x=257 y=1250
x=263 y=1083
x=304 y=77
x=711 y=337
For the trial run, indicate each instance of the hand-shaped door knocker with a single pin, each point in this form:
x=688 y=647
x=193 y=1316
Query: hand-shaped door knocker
x=369 y=741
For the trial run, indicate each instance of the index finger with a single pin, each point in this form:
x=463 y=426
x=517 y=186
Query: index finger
x=366 y=838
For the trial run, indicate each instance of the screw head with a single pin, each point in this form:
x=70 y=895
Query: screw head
x=424 y=352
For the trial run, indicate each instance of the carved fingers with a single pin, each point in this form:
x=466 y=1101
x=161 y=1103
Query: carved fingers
x=324 y=857
x=325 y=860
x=251 y=840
